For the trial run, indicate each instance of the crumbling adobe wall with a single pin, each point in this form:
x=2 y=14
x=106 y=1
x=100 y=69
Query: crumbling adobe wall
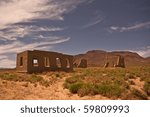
x=83 y=63
x=120 y=62
x=115 y=61
x=39 y=61
x=21 y=63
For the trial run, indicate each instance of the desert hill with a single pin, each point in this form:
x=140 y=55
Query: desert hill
x=98 y=58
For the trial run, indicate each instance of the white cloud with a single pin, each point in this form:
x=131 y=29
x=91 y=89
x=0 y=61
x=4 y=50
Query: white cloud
x=3 y=57
x=96 y=19
x=7 y=63
x=93 y=23
x=133 y=27
x=20 y=31
x=114 y=28
x=15 y=11
x=18 y=46
x=144 y=52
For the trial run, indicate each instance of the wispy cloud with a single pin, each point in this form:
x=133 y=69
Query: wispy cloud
x=7 y=63
x=93 y=23
x=23 y=10
x=132 y=27
x=144 y=51
x=20 y=31
x=18 y=46
x=15 y=11
x=3 y=57
x=16 y=18
x=96 y=19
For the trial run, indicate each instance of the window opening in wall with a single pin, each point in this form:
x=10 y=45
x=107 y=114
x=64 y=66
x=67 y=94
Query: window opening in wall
x=58 y=63
x=35 y=62
x=21 y=61
x=46 y=61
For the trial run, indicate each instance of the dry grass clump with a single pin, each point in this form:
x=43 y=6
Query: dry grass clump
x=93 y=81
x=139 y=94
x=57 y=75
x=135 y=94
x=9 y=76
x=147 y=87
x=32 y=78
x=111 y=82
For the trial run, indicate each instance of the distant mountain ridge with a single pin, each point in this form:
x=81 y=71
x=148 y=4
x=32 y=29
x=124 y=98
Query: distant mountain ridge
x=97 y=58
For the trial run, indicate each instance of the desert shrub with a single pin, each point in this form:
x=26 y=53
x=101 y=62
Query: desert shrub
x=139 y=94
x=87 y=89
x=73 y=79
x=35 y=78
x=129 y=76
x=57 y=75
x=142 y=72
x=74 y=88
x=147 y=87
x=11 y=77
x=109 y=89
x=104 y=89
x=110 y=82
x=45 y=83
x=131 y=82
x=66 y=85
x=91 y=81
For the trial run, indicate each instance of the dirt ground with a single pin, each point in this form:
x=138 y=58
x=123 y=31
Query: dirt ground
x=10 y=90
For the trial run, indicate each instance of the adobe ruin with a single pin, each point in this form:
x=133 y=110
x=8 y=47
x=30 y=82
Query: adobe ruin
x=106 y=65
x=83 y=63
x=111 y=62
x=39 y=61
x=120 y=62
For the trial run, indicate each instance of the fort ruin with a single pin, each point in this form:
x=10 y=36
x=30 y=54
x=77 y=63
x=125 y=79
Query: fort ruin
x=120 y=62
x=111 y=62
x=39 y=61
x=83 y=63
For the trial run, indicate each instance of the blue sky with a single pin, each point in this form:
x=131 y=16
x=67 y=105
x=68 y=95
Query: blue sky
x=73 y=26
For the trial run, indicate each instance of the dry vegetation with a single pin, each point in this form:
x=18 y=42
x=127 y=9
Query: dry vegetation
x=90 y=83
x=114 y=83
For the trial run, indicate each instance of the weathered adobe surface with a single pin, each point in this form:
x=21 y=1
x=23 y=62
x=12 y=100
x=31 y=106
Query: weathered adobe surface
x=98 y=58
x=39 y=61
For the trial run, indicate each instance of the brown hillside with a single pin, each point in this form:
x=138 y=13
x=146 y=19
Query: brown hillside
x=97 y=58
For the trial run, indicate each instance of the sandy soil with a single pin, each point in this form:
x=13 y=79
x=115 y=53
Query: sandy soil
x=10 y=90
x=138 y=84
x=24 y=90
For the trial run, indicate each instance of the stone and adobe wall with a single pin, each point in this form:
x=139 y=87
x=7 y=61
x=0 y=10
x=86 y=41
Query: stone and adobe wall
x=120 y=62
x=39 y=61
x=83 y=63
x=116 y=61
